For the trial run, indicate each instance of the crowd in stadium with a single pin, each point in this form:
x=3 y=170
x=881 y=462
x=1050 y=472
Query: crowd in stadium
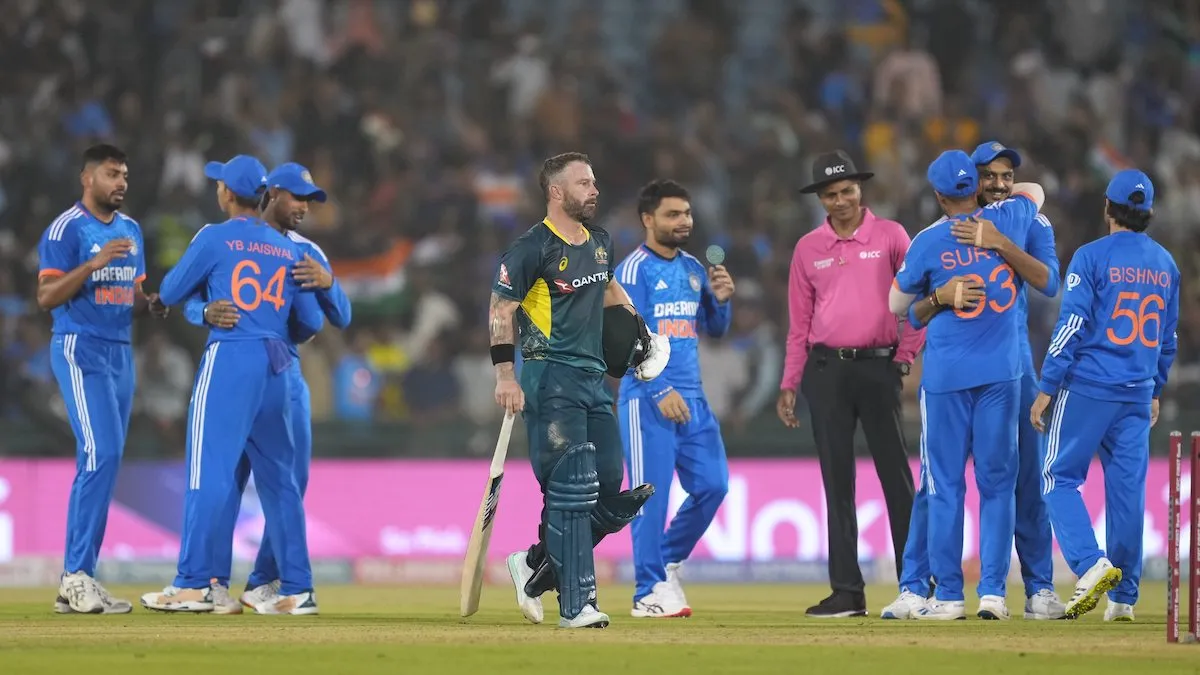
x=426 y=120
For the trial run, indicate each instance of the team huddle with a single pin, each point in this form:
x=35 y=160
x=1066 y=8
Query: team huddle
x=262 y=290
x=573 y=316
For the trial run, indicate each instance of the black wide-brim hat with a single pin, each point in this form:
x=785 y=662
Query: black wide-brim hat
x=831 y=167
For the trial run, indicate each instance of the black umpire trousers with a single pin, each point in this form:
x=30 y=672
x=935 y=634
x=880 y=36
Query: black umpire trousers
x=844 y=387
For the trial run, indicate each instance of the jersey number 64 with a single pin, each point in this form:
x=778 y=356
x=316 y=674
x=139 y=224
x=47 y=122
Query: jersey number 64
x=248 y=291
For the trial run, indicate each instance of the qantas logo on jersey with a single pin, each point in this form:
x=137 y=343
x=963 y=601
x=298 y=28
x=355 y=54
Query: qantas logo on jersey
x=589 y=279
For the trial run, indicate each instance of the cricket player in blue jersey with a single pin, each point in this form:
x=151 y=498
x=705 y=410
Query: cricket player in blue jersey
x=1106 y=366
x=666 y=424
x=969 y=404
x=241 y=401
x=91 y=265
x=1038 y=266
x=290 y=189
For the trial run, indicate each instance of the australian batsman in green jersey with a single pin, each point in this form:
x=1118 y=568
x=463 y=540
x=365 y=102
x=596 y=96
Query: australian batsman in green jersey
x=561 y=290
x=574 y=441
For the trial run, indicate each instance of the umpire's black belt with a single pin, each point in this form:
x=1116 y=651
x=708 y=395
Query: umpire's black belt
x=853 y=353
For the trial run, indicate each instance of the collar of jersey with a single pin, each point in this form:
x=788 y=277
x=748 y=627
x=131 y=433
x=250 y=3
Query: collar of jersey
x=961 y=217
x=656 y=254
x=587 y=235
x=93 y=216
x=862 y=235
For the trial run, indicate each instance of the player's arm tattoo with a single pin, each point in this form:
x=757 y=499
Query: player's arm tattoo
x=502 y=329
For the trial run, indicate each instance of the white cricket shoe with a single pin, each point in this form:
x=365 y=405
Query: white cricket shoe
x=254 y=597
x=942 y=610
x=112 y=605
x=905 y=606
x=520 y=571
x=1118 y=611
x=661 y=603
x=176 y=599
x=223 y=603
x=304 y=603
x=1092 y=586
x=1045 y=606
x=673 y=579
x=992 y=608
x=588 y=617
x=80 y=594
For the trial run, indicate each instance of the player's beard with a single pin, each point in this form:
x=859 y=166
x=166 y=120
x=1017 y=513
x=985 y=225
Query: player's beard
x=110 y=201
x=579 y=211
x=672 y=239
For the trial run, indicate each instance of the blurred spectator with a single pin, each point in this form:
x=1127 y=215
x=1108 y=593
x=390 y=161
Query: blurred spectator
x=356 y=383
x=165 y=373
x=426 y=121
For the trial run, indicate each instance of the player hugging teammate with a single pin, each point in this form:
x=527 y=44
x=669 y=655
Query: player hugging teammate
x=1107 y=362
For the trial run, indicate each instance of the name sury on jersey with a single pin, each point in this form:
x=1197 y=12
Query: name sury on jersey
x=114 y=295
x=677 y=319
x=572 y=285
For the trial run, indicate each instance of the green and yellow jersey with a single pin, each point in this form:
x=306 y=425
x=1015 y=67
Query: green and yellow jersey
x=561 y=290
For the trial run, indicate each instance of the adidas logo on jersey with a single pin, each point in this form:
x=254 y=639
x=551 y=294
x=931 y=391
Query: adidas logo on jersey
x=660 y=286
x=95 y=248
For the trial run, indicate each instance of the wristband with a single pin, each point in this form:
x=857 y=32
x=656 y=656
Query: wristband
x=933 y=299
x=503 y=354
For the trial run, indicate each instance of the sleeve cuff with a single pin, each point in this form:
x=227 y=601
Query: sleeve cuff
x=1047 y=388
x=50 y=272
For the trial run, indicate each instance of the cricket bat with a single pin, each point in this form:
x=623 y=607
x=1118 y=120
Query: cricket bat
x=481 y=532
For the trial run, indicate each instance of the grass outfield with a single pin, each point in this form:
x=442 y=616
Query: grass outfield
x=736 y=629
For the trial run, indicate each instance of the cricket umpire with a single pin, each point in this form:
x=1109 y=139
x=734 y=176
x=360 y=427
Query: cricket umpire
x=848 y=355
x=552 y=287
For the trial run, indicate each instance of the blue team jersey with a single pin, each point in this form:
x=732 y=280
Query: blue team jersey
x=333 y=301
x=1115 y=337
x=966 y=349
x=247 y=262
x=674 y=297
x=103 y=308
x=1041 y=246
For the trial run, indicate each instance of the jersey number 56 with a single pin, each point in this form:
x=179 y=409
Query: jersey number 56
x=1140 y=318
x=248 y=291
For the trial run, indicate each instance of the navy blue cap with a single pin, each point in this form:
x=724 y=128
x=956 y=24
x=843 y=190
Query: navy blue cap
x=987 y=153
x=953 y=175
x=295 y=179
x=1126 y=184
x=244 y=175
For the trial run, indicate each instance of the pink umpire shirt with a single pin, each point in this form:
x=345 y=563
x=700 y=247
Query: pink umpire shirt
x=838 y=293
